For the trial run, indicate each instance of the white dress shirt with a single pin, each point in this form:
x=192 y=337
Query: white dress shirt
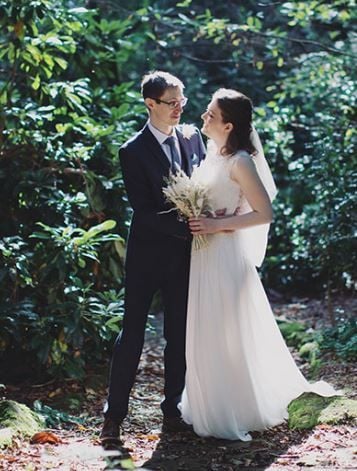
x=161 y=137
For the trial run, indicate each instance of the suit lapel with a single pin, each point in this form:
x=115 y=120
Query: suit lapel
x=160 y=155
x=155 y=148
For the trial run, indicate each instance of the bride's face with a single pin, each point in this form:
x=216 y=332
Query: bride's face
x=213 y=125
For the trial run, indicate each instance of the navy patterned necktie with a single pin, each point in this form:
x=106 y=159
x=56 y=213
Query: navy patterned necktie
x=175 y=157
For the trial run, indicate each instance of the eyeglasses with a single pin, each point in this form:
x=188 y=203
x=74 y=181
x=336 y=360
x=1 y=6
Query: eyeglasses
x=173 y=104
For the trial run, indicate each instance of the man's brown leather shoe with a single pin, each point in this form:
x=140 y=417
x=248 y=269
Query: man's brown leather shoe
x=110 y=431
x=175 y=424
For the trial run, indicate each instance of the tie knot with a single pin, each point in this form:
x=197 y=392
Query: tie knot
x=170 y=141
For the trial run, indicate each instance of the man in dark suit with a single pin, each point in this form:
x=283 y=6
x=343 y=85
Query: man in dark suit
x=158 y=250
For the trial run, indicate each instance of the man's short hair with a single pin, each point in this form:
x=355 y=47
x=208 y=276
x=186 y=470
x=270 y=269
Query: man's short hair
x=154 y=84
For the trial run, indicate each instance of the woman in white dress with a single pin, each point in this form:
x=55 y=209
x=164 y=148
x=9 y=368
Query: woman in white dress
x=240 y=374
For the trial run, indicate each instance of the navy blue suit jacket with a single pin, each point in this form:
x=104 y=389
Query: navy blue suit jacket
x=145 y=166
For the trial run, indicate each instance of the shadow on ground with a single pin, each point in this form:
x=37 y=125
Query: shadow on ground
x=188 y=452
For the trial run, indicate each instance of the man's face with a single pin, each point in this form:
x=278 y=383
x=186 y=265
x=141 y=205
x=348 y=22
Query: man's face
x=167 y=111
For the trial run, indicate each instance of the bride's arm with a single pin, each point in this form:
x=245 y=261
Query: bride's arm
x=245 y=174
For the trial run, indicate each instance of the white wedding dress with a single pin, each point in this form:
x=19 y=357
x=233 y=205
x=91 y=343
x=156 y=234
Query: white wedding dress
x=240 y=374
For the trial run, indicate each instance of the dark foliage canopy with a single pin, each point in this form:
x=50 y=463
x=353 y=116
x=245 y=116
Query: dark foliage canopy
x=69 y=97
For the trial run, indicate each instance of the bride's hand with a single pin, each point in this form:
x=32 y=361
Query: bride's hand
x=203 y=225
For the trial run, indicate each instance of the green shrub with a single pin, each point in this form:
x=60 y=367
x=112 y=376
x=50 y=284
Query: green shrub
x=65 y=109
x=295 y=333
x=342 y=339
x=69 y=98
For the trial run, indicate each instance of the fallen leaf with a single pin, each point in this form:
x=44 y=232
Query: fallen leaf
x=45 y=437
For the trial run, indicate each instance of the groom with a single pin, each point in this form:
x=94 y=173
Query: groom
x=158 y=250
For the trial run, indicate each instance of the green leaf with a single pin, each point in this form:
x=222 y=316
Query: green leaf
x=104 y=226
x=184 y=4
x=78 y=10
x=34 y=52
x=61 y=62
x=36 y=82
x=81 y=262
x=48 y=59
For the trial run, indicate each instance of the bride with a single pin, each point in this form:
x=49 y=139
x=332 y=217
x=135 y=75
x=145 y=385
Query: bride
x=240 y=374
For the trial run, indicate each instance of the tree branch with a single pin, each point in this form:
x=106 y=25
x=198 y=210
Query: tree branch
x=301 y=42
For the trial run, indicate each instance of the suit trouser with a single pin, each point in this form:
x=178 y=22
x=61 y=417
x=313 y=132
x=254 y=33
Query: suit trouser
x=151 y=267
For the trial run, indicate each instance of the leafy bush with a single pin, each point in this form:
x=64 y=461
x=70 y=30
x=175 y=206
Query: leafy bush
x=295 y=333
x=315 y=213
x=69 y=99
x=73 y=330
x=54 y=417
x=342 y=340
x=64 y=114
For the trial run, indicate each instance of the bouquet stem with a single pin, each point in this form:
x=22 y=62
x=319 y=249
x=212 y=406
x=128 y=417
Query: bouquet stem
x=199 y=242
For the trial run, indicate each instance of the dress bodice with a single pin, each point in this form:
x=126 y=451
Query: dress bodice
x=214 y=173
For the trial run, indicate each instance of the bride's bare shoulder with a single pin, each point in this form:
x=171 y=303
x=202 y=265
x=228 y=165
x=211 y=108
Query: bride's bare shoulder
x=242 y=159
x=243 y=166
x=242 y=154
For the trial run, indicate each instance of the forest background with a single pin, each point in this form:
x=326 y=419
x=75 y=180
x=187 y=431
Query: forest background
x=69 y=97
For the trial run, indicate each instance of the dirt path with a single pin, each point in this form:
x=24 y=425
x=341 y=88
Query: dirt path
x=321 y=449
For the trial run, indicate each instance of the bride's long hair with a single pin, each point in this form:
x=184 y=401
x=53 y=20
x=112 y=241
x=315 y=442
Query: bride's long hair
x=237 y=109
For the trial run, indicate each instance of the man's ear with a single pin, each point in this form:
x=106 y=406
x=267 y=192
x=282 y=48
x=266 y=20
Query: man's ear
x=149 y=103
